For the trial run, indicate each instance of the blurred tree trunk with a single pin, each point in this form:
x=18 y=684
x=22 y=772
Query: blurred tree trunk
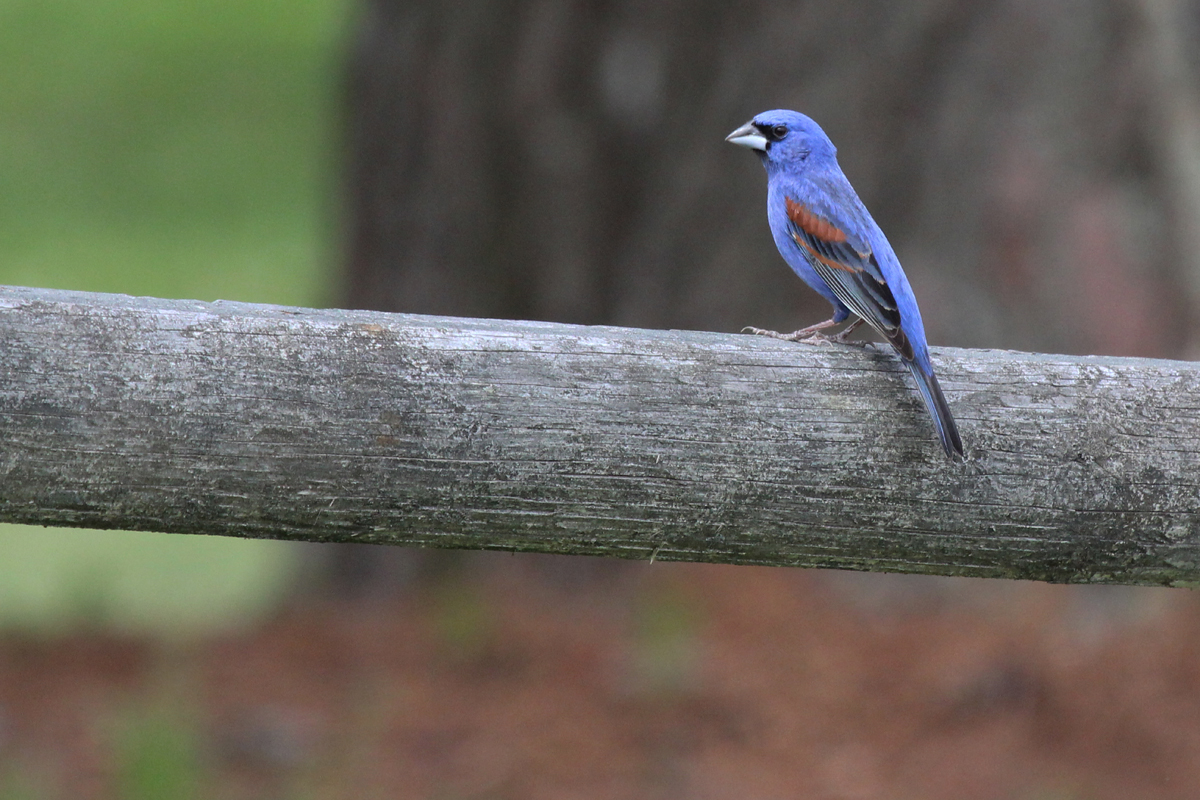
x=1033 y=164
x=541 y=159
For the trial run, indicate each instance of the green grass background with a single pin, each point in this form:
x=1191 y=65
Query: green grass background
x=175 y=149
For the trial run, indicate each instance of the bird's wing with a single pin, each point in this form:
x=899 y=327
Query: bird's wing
x=849 y=268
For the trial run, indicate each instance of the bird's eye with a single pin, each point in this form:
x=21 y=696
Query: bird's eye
x=779 y=131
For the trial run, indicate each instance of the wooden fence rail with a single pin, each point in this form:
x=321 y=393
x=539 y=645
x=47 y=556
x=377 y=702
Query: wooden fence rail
x=249 y=420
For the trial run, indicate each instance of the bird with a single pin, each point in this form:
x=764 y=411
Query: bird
x=826 y=235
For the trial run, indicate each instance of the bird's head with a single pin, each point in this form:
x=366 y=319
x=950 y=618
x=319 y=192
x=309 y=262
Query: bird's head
x=785 y=138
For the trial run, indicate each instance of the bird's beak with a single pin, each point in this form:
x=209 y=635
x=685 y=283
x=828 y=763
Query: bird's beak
x=748 y=136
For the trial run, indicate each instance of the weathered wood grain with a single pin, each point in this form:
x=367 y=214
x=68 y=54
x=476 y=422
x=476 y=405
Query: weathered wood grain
x=247 y=420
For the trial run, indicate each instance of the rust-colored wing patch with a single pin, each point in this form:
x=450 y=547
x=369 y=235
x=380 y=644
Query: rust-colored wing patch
x=811 y=224
x=829 y=262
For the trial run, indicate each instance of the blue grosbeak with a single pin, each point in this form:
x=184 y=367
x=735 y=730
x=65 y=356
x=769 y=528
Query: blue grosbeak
x=827 y=236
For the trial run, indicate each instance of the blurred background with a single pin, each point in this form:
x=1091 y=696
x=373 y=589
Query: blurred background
x=1036 y=166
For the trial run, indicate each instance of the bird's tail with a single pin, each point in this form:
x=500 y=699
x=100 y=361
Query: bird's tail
x=935 y=401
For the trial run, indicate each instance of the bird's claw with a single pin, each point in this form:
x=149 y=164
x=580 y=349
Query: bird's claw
x=844 y=338
x=797 y=336
x=806 y=335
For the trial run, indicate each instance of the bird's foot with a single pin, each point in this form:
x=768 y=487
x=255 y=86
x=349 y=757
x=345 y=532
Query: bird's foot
x=843 y=337
x=812 y=334
x=796 y=336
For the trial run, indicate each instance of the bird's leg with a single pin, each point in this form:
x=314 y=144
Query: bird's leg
x=811 y=334
x=841 y=338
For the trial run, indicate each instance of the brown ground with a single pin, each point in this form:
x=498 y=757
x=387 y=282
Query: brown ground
x=537 y=677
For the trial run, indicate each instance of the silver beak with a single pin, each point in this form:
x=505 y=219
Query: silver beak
x=748 y=136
